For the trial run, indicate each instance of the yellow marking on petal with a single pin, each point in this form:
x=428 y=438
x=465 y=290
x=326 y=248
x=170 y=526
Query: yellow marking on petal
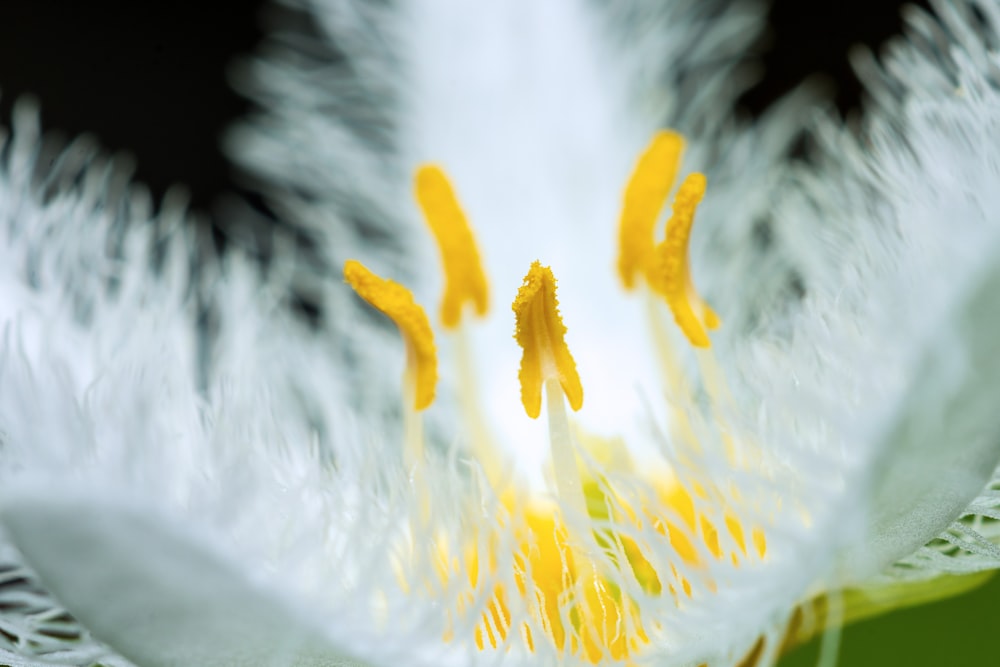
x=396 y=302
x=759 y=541
x=569 y=604
x=735 y=529
x=540 y=332
x=677 y=498
x=465 y=281
x=645 y=195
x=607 y=621
x=579 y=604
x=672 y=273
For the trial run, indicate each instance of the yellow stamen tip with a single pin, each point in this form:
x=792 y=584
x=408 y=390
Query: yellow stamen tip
x=540 y=332
x=671 y=276
x=465 y=281
x=396 y=302
x=645 y=195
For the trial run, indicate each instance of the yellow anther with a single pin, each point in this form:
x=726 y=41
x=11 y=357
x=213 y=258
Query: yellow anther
x=672 y=274
x=540 y=333
x=465 y=281
x=645 y=195
x=396 y=302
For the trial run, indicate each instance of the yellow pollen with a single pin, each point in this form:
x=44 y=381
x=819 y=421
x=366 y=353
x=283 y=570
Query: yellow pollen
x=645 y=195
x=672 y=271
x=396 y=302
x=465 y=281
x=540 y=332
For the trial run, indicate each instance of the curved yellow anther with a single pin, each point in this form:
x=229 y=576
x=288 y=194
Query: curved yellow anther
x=540 y=333
x=672 y=276
x=645 y=195
x=465 y=281
x=396 y=302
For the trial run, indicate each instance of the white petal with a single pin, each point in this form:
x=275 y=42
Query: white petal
x=8 y=659
x=944 y=442
x=149 y=588
x=900 y=251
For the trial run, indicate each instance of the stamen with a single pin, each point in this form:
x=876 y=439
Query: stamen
x=465 y=281
x=568 y=482
x=672 y=277
x=540 y=333
x=547 y=361
x=491 y=458
x=645 y=195
x=396 y=302
x=677 y=388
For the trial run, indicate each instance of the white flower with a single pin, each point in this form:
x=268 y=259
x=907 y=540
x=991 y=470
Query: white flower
x=201 y=479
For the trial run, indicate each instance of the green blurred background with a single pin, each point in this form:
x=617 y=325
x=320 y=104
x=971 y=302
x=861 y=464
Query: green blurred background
x=956 y=632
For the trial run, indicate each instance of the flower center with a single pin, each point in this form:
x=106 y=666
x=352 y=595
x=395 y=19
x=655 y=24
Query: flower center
x=575 y=570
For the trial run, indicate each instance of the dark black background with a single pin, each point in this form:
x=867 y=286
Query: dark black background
x=149 y=76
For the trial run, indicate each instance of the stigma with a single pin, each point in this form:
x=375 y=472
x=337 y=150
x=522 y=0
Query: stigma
x=576 y=568
x=541 y=334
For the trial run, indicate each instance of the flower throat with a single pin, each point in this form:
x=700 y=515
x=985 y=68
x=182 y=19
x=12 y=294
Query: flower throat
x=575 y=571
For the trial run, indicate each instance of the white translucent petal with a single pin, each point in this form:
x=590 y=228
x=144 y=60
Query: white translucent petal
x=228 y=494
x=154 y=589
x=9 y=659
x=943 y=441
x=69 y=217
x=896 y=236
x=32 y=622
x=100 y=391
